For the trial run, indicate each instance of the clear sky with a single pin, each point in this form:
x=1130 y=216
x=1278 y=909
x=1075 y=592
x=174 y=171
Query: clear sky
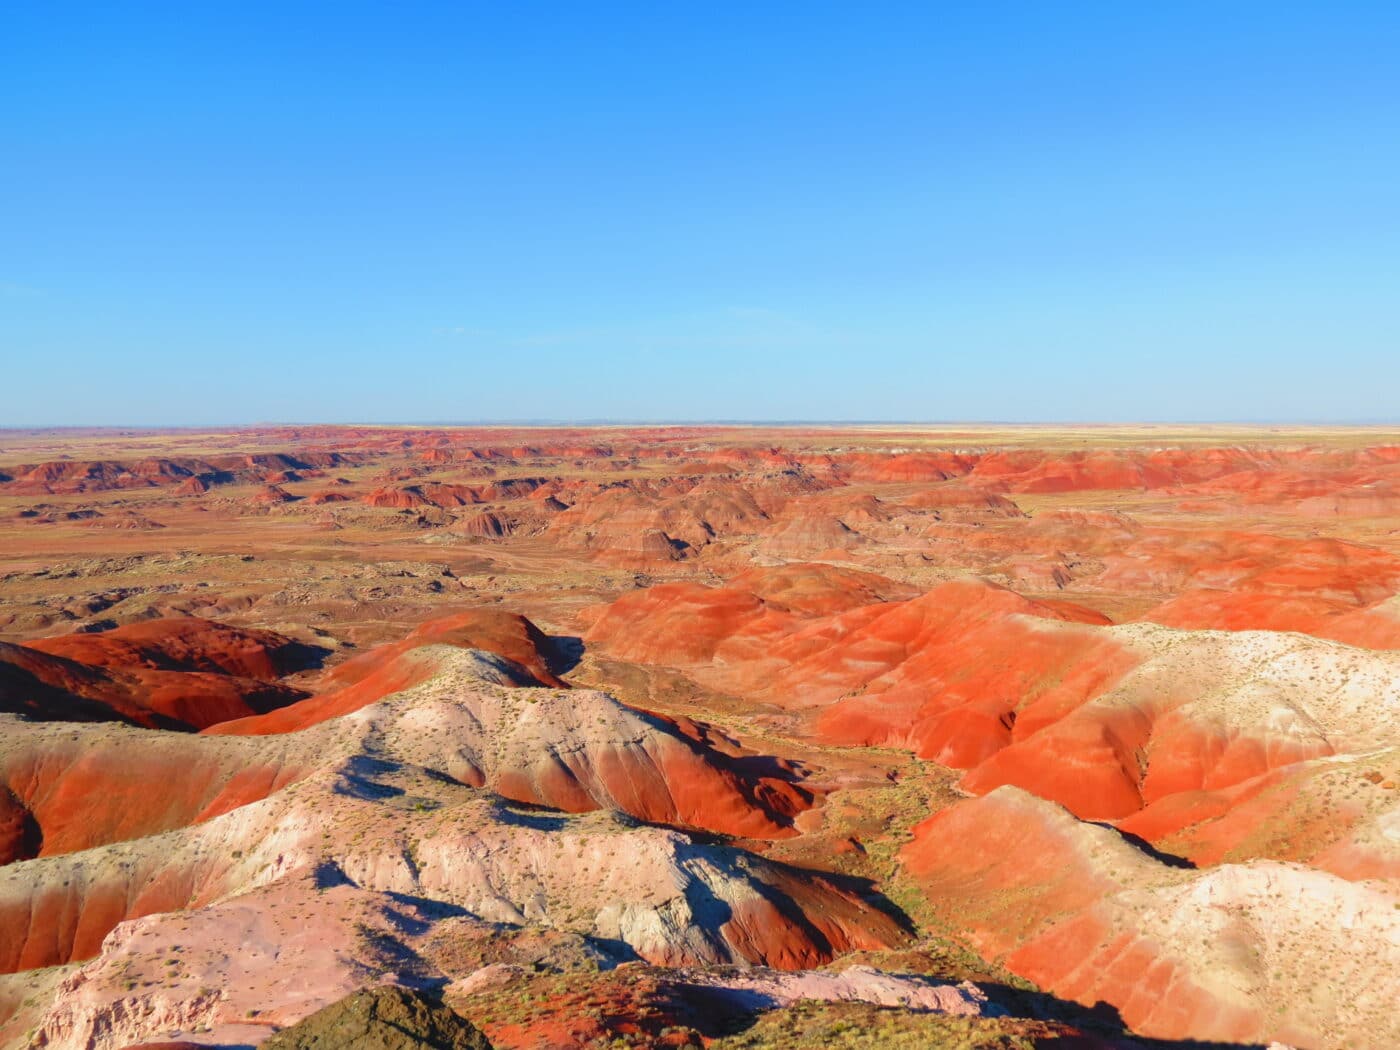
x=241 y=211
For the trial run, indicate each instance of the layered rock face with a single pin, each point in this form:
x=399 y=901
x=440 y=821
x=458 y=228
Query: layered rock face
x=413 y=797
x=1103 y=719
x=1239 y=952
x=185 y=673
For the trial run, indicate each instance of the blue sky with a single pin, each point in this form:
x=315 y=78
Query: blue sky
x=234 y=212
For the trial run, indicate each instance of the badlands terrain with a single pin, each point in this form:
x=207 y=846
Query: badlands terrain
x=683 y=737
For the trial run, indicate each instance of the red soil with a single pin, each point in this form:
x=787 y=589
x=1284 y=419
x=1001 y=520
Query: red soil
x=373 y=675
x=78 y=796
x=45 y=686
x=1374 y=627
x=180 y=644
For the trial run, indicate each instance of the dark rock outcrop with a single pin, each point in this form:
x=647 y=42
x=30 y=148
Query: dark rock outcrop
x=384 y=1018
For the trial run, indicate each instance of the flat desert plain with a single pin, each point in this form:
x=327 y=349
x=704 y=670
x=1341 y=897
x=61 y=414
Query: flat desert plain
x=700 y=736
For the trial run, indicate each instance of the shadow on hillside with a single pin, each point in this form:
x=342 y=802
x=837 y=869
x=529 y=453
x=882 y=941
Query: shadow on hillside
x=863 y=889
x=1171 y=860
x=565 y=653
x=717 y=1012
x=790 y=876
x=1102 y=1021
x=769 y=767
x=301 y=656
x=365 y=777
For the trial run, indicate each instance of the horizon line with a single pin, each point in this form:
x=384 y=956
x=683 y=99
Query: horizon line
x=543 y=423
